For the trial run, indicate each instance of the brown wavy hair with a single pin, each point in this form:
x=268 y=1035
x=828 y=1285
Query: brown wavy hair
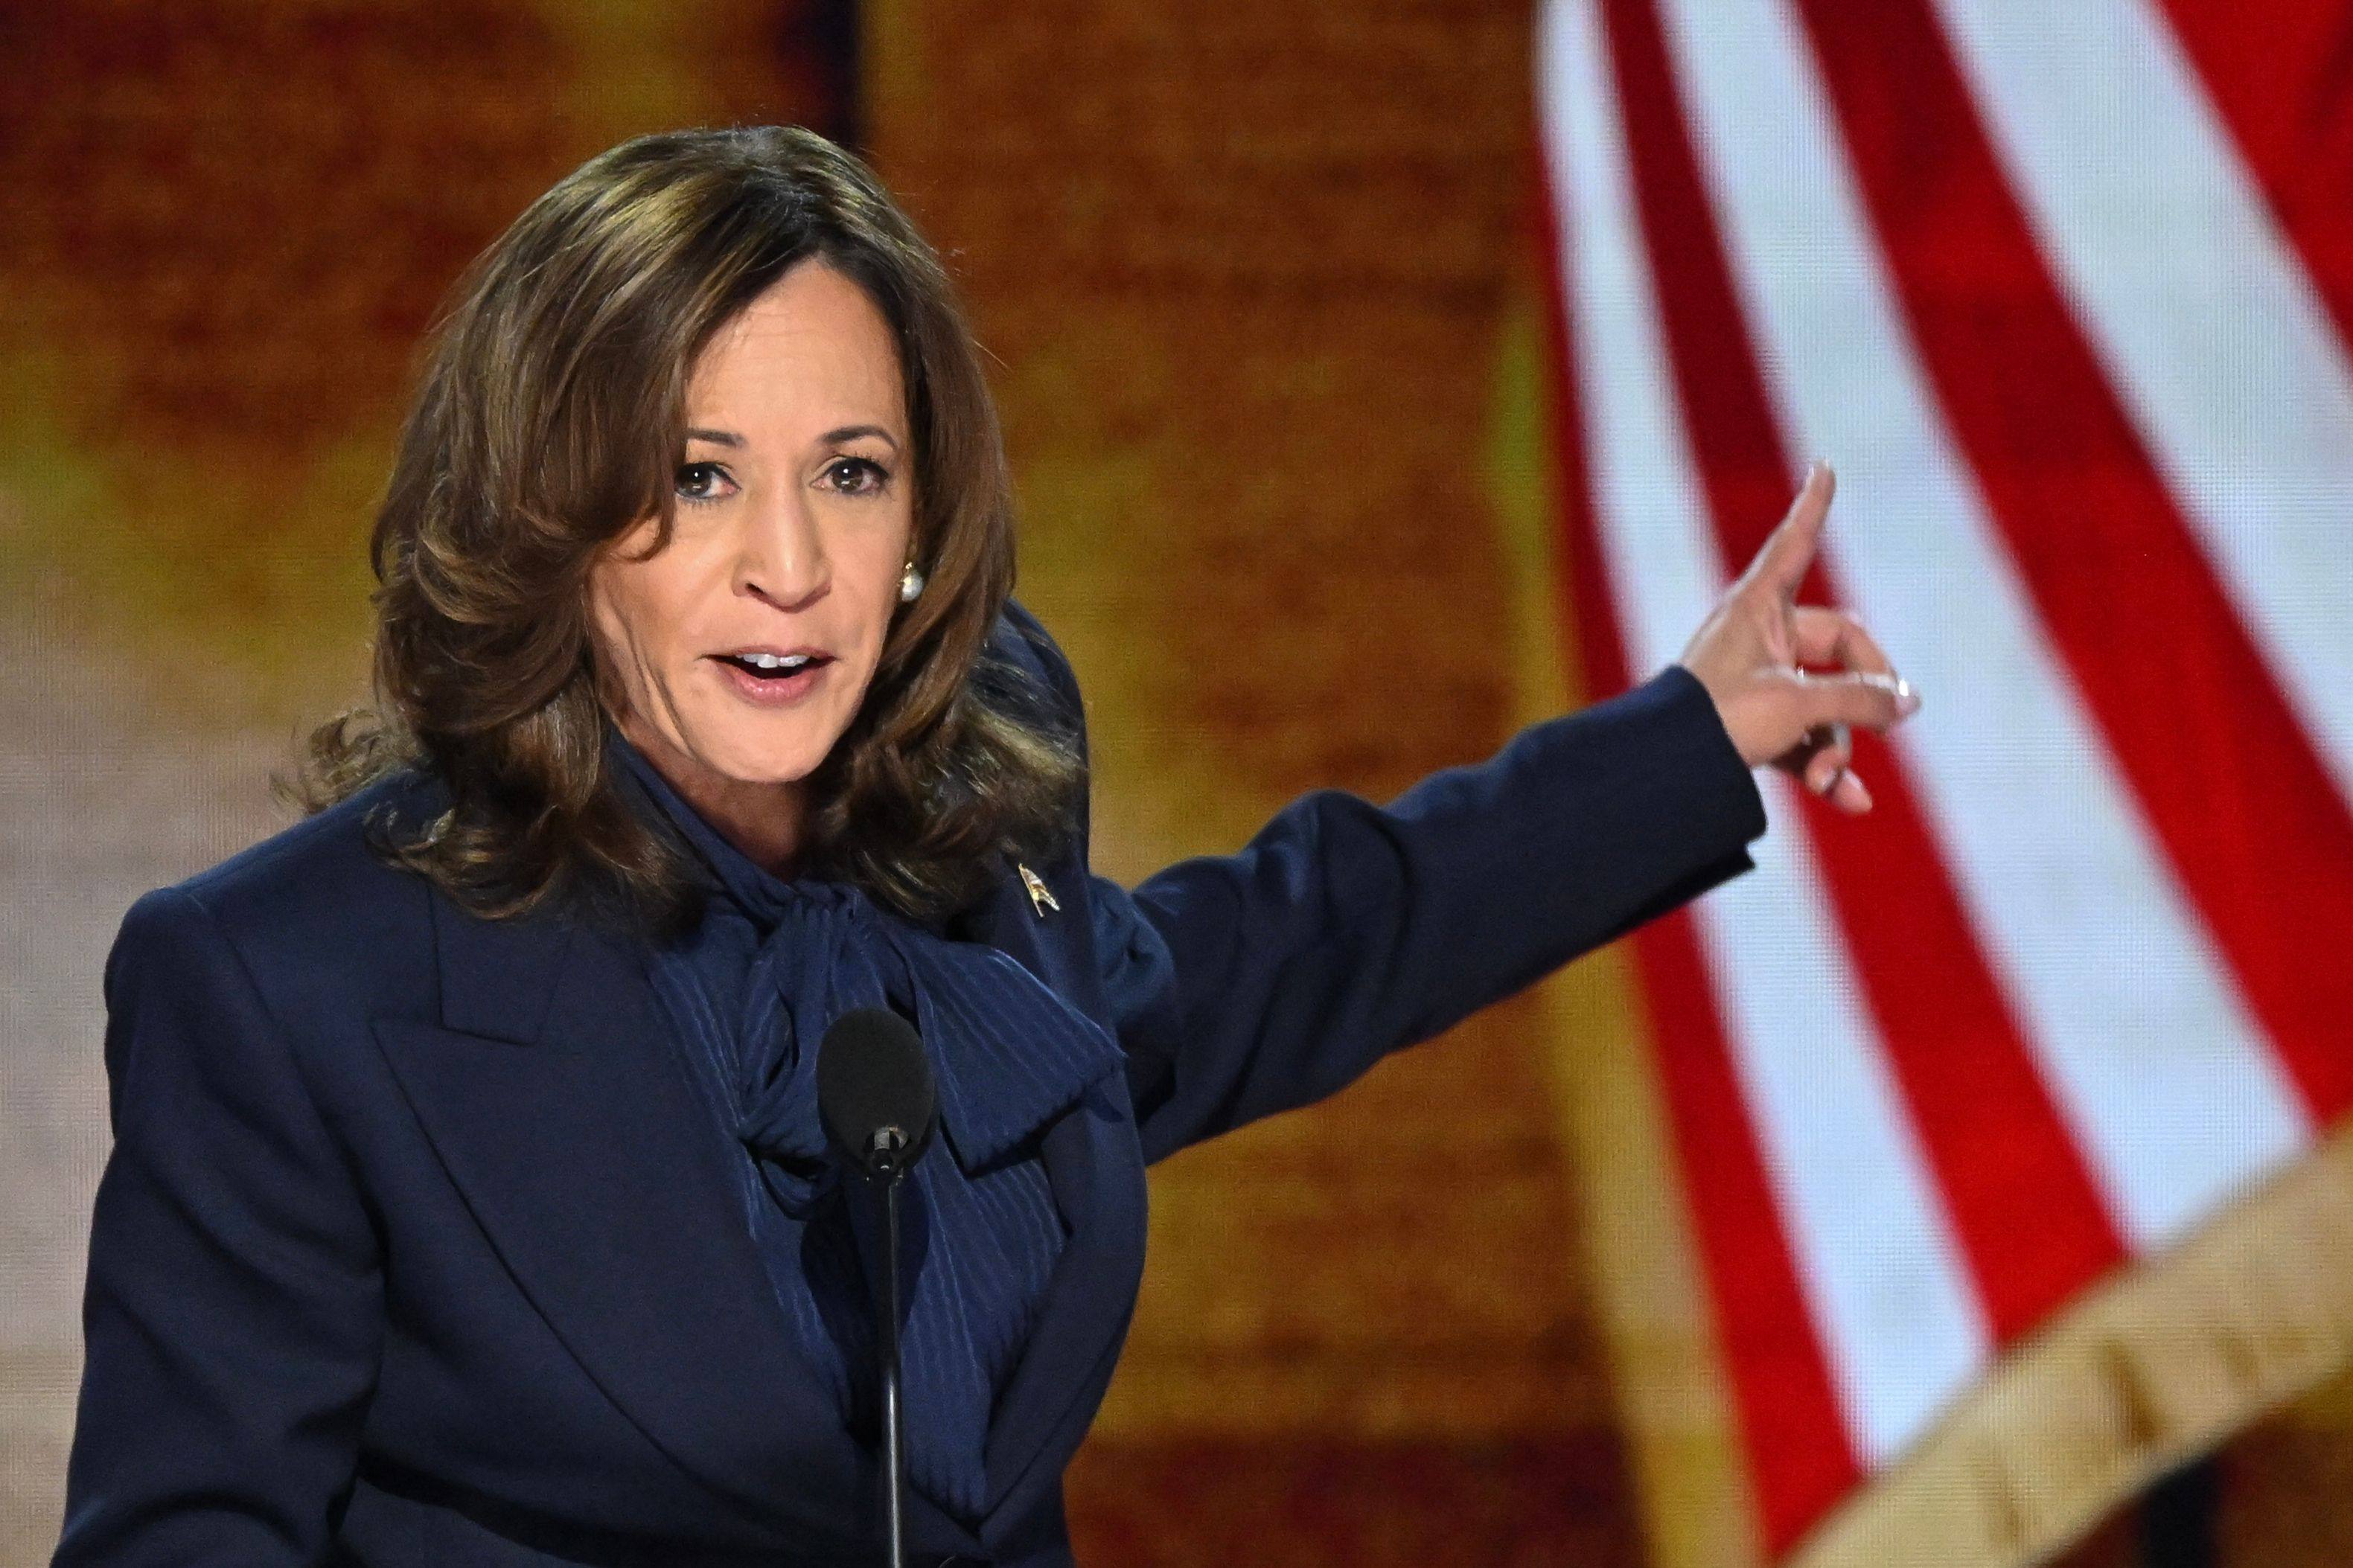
x=549 y=417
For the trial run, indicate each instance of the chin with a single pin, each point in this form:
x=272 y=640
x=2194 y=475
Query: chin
x=769 y=765
x=771 y=758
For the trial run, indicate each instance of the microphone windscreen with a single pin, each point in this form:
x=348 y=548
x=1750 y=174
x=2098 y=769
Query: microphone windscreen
x=871 y=1073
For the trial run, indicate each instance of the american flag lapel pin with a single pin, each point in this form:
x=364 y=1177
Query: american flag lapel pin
x=1040 y=898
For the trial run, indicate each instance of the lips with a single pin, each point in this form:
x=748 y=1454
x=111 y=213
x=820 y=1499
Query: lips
x=777 y=678
x=775 y=663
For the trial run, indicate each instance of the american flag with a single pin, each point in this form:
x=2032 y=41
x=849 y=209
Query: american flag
x=2062 y=288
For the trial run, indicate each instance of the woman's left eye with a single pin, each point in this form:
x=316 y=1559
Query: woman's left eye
x=857 y=476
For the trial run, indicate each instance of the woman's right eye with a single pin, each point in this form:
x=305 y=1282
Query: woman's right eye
x=702 y=482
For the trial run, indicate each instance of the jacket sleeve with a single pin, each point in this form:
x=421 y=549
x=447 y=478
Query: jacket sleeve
x=234 y=1308
x=1248 y=984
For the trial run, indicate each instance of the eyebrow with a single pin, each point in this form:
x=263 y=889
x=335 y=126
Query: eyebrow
x=831 y=438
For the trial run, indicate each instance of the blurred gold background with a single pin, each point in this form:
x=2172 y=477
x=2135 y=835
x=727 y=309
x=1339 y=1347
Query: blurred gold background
x=1258 y=300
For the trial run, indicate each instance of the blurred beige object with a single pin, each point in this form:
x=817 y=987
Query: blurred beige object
x=2160 y=1364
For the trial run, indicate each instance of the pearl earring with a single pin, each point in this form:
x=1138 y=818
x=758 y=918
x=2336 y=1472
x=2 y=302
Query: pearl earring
x=911 y=583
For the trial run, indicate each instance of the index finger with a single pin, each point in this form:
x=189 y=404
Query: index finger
x=1790 y=549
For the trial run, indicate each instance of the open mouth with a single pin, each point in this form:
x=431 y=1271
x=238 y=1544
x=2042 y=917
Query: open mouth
x=772 y=665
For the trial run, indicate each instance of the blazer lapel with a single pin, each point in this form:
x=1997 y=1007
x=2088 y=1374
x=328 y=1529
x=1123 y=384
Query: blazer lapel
x=1095 y=1168
x=555 y=1096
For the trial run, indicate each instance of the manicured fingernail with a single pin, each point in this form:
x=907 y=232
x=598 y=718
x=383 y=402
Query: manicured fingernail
x=1907 y=696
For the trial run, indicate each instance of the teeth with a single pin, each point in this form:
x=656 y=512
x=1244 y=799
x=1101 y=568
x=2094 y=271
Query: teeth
x=775 y=660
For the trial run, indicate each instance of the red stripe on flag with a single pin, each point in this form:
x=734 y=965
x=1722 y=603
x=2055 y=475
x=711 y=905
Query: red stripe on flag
x=2281 y=78
x=1801 y=1462
x=2232 y=786
x=2001 y=1151
x=1799 y=1452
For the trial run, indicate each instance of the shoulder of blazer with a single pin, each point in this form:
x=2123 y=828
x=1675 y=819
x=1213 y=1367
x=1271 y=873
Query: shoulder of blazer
x=1022 y=640
x=324 y=926
x=1049 y=932
x=327 y=845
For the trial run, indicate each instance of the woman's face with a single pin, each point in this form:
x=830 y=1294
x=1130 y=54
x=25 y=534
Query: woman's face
x=743 y=647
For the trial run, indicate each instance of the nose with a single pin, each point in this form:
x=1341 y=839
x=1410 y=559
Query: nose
x=781 y=556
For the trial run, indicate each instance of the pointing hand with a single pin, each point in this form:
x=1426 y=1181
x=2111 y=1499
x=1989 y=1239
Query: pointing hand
x=1747 y=652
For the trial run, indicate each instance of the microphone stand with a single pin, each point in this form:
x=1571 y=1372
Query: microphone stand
x=877 y=1102
x=887 y=1165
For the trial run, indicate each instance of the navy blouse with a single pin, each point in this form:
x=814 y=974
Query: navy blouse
x=750 y=992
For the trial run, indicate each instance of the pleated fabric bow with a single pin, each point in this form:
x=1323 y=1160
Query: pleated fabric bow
x=752 y=991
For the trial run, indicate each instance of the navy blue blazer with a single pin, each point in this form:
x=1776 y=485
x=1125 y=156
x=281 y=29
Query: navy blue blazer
x=414 y=1247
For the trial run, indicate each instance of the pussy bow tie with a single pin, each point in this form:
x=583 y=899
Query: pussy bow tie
x=1009 y=1054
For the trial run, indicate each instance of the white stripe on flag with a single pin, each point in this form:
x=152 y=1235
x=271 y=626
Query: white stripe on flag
x=1872 y=1246
x=2217 y=344
x=2168 y=1087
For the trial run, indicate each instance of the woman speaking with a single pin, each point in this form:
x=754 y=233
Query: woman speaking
x=470 y=1200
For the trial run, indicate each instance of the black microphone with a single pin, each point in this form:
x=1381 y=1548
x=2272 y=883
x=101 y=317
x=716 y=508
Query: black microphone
x=875 y=1096
x=874 y=1091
